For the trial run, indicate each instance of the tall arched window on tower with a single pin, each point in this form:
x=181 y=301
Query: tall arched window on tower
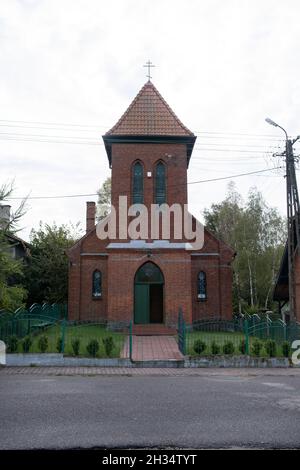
x=138 y=184
x=97 y=284
x=202 y=289
x=160 y=183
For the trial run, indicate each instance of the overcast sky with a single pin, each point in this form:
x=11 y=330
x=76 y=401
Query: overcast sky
x=222 y=65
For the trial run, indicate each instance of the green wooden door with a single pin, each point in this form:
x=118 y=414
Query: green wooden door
x=141 y=303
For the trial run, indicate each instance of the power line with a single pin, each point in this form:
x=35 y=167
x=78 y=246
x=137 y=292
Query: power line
x=86 y=141
x=189 y=183
x=98 y=139
x=82 y=127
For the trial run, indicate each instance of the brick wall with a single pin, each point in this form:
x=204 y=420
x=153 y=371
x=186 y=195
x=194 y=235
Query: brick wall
x=176 y=269
x=118 y=267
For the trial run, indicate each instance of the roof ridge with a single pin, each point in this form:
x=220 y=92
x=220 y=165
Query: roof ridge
x=130 y=108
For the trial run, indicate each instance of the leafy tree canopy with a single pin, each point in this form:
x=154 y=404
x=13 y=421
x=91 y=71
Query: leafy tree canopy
x=104 y=199
x=12 y=293
x=257 y=233
x=47 y=272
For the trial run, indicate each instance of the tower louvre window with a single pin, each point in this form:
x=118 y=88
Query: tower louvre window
x=138 y=184
x=160 y=183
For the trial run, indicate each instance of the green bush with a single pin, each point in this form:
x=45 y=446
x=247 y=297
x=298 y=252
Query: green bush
x=93 y=347
x=26 y=344
x=270 y=347
x=43 y=343
x=242 y=346
x=108 y=345
x=12 y=344
x=228 y=347
x=256 y=347
x=215 y=348
x=59 y=345
x=286 y=348
x=199 y=346
x=76 y=346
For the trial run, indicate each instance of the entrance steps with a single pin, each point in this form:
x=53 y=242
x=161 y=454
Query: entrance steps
x=153 y=329
x=154 y=351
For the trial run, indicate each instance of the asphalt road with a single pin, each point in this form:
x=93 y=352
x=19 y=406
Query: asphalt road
x=185 y=412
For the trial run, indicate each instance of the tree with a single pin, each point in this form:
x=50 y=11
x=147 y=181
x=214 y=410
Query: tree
x=12 y=293
x=257 y=233
x=104 y=199
x=47 y=272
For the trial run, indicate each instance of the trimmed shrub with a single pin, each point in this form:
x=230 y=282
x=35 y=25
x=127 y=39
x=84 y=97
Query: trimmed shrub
x=12 y=344
x=93 y=347
x=59 y=345
x=26 y=344
x=199 y=346
x=270 y=347
x=108 y=345
x=215 y=348
x=242 y=346
x=228 y=347
x=256 y=347
x=286 y=348
x=76 y=346
x=43 y=343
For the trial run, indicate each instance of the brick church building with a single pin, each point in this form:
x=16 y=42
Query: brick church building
x=148 y=280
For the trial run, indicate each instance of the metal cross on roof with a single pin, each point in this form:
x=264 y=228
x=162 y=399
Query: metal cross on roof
x=149 y=65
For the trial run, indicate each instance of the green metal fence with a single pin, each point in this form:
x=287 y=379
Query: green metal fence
x=44 y=328
x=239 y=336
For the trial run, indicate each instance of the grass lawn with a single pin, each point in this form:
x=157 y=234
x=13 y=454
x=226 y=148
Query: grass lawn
x=221 y=338
x=85 y=333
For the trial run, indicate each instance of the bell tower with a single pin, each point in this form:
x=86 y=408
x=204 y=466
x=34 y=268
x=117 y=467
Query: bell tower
x=149 y=151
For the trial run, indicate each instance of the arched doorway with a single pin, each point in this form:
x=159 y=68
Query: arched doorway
x=148 y=294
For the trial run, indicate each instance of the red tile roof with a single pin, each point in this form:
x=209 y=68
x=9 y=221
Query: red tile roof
x=149 y=114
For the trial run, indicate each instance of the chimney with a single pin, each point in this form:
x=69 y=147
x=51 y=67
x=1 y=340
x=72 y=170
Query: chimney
x=90 y=216
x=4 y=215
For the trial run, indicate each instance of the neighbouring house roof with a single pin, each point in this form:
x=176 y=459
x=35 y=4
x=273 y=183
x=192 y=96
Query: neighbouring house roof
x=281 y=289
x=23 y=247
x=149 y=118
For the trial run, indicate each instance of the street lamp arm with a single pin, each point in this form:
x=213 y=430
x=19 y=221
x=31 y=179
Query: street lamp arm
x=286 y=136
x=273 y=123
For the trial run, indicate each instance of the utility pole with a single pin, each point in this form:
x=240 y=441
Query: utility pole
x=293 y=215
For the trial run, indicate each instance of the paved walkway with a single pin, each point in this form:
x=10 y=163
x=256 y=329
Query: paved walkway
x=153 y=348
x=148 y=371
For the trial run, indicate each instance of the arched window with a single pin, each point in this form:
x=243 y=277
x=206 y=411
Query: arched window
x=202 y=291
x=160 y=183
x=138 y=184
x=97 y=284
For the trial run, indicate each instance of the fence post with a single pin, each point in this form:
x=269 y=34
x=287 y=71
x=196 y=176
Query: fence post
x=63 y=335
x=130 y=340
x=183 y=338
x=181 y=332
x=284 y=332
x=246 y=332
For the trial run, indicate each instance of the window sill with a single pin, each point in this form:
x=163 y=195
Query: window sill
x=96 y=297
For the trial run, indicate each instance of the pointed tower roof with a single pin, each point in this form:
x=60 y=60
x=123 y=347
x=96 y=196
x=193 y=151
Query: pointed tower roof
x=149 y=118
x=149 y=114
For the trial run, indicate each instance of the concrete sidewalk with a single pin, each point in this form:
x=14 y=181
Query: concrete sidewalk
x=155 y=372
